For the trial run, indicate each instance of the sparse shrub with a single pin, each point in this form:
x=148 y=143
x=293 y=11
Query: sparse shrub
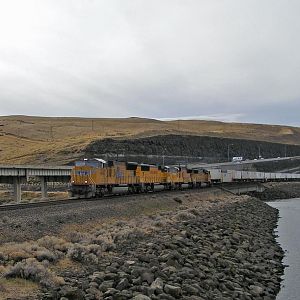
x=53 y=243
x=184 y=216
x=100 y=232
x=2 y=270
x=88 y=254
x=178 y=200
x=120 y=223
x=35 y=247
x=108 y=247
x=45 y=263
x=2 y=256
x=2 y=288
x=18 y=255
x=91 y=259
x=159 y=223
x=193 y=211
x=105 y=242
x=129 y=234
x=78 y=237
x=35 y=271
x=77 y=252
x=95 y=249
x=45 y=255
x=183 y=207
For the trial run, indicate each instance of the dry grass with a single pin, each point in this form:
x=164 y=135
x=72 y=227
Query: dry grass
x=59 y=140
x=31 y=196
x=65 y=264
x=17 y=288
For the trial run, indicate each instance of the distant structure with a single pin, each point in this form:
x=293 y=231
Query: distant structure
x=237 y=159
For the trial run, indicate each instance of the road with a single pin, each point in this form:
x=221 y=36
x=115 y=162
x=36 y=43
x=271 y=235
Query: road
x=246 y=162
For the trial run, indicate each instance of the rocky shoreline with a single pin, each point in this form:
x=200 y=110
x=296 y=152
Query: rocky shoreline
x=222 y=250
x=278 y=191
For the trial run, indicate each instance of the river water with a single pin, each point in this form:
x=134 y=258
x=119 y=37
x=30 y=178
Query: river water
x=289 y=239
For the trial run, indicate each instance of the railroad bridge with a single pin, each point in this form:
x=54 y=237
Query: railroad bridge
x=18 y=174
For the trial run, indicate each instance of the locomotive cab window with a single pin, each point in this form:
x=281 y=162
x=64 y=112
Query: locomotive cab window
x=145 y=168
x=131 y=166
x=95 y=163
x=110 y=163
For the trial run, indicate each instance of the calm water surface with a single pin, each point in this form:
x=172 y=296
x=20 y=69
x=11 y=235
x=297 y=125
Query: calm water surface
x=289 y=239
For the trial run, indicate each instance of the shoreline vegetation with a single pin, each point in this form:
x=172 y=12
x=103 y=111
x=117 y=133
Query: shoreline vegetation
x=189 y=245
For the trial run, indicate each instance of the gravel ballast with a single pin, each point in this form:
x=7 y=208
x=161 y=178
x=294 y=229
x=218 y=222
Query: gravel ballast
x=33 y=223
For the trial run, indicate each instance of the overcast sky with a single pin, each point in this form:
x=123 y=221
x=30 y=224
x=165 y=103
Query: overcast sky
x=229 y=60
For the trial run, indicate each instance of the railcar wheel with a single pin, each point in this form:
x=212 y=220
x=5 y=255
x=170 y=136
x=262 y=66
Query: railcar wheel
x=101 y=193
x=152 y=187
x=138 y=189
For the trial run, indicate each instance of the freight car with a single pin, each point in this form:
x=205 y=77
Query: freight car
x=228 y=176
x=95 y=177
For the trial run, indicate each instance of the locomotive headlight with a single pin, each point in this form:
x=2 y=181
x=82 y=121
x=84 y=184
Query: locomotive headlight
x=85 y=181
x=73 y=181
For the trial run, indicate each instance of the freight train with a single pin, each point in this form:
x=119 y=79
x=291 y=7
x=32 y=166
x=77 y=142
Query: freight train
x=92 y=178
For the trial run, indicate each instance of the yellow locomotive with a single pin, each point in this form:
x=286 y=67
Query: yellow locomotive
x=95 y=177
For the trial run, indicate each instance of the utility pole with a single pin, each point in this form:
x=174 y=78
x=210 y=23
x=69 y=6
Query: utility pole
x=228 y=151
x=259 y=155
x=284 y=150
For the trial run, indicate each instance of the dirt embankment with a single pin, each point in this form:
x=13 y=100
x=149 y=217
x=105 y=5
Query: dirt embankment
x=210 y=148
x=42 y=140
x=187 y=245
x=277 y=191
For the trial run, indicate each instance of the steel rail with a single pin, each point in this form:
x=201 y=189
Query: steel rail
x=16 y=206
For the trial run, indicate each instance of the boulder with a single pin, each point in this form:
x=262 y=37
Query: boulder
x=173 y=290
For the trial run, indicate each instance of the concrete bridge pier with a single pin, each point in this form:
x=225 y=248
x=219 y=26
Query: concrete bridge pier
x=18 y=174
x=17 y=189
x=43 y=181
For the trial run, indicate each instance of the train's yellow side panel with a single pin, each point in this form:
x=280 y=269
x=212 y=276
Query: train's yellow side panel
x=119 y=175
x=154 y=175
x=201 y=177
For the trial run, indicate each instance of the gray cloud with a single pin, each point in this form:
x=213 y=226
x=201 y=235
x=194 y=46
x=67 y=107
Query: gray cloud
x=236 y=60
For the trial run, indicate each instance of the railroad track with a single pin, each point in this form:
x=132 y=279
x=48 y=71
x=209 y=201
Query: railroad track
x=8 y=207
x=37 y=204
x=17 y=206
x=54 y=202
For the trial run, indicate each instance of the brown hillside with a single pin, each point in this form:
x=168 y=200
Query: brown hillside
x=25 y=139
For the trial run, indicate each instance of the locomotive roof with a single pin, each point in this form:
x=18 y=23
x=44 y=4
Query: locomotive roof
x=101 y=160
